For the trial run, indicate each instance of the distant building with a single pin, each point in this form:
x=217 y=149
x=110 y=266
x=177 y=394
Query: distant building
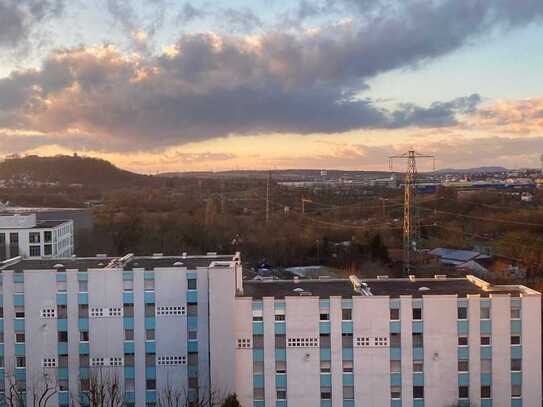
x=23 y=235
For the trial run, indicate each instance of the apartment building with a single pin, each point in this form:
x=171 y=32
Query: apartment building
x=25 y=236
x=191 y=324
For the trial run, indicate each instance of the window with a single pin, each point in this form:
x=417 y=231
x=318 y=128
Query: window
x=418 y=340
x=19 y=287
x=149 y=310
x=19 y=337
x=485 y=312
x=325 y=340
x=191 y=284
x=128 y=285
x=326 y=393
x=395 y=340
x=348 y=393
x=192 y=310
x=395 y=366
x=128 y=334
x=418 y=392
x=462 y=313
x=324 y=316
x=281 y=394
x=20 y=361
x=515 y=312
x=347 y=314
x=463 y=365
x=34 y=237
x=84 y=361
x=257 y=318
x=129 y=359
x=150 y=359
x=394 y=314
x=346 y=340
x=395 y=392
x=48 y=250
x=193 y=359
x=62 y=311
x=84 y=336
x=149 y=285
x=486 y=392
x=83 y=311
x=19 y=311
x=516 y=390
x=463 y=392
x=149 y=334
x=128 y=310
x=62 y=336
x=281 y=366
x=485 y=340
x=280 y=341
x=35 y=251
x=129 y=385
x=486 y=365
x=83 y=286
x=258 y=393
x=326 y=366
x=418 y=366
x=63 y=361
x=347 y=367
x=516 y=365
x=258 y=341
x=515 y=340
x=1 y=314
x=47 y=236
x=193 y=335
x=462 y=341
x=417 y=314
x=150 y=384
x=258 y=367
x=279 y=317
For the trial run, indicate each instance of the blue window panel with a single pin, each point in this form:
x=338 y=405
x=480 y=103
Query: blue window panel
x=258 y=355
x=462 y=302
x=280 y=354
x=516 y=352
x=486 y=379
x=19 y=325
x=1 y=299
x=418 y=326
x=325 y=354
x=348 y=403
x=347 y=327
x=150 y=322
x=395 y=379
x=149 y=297
x=258 y=328
x=84 y=372
x=148 y=275
x=83 y=324
x=62 y=348
x=192 y=296
x=82 y=276
x=1 y=324
x=463 y=353
x=192 y=275
x=257 y=305
x=258 y=403
x=464 y=403
x=326 y=380
x=324 y=327
x=19 y=349
x=347 y=303
x=128 y=323
x=516 y=403
x=83 y=348
x=192 y=346
x=281 y=403
x=150 y=372
x=129 y=347
x=128 y=297
x=192 y=323
x=348 y=379
x=192 y=371
x=18 y=299
x=418 y=379
x=63 y=398
x=325 y=303
x=462 y=327
x=347 y=353
x=62 y=373
x=486 y=403
x=61 y=276
x=418 y=353
x=20 y=373
x=281 y=381
x=83 y=298
x=395 y=403
x=18 y=278
x=463 y=379
x=486 y=326
x=280 y=328
x=150 y=346
x=395 y=327
x=326 y=403
x=395 y=303
x=279 y=304
x=395 y=353
x=62 y=299
x=516 y=378
x=150 y=396
x=258 y=381
x=418 y=403
x=1 y=351
x=130 y=397
x=62 y=324
x=486 y=352
x=516 y=326
x=129 y=372
x=128 y=276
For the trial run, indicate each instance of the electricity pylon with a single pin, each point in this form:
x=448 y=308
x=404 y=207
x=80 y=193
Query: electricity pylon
x=410 y=224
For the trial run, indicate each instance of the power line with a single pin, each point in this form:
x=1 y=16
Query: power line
x=511 y=222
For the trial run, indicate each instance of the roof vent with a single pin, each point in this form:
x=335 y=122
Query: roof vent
x=298 y=290
x=424 y=289
x=211 y=253
x=383 y=277
x=178 y=264
x=412 y=277
x=58 y=266
x=184 y=255
x=157 y=254
x=440 y=276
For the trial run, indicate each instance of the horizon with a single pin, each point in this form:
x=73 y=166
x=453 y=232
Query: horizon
x=199 y=86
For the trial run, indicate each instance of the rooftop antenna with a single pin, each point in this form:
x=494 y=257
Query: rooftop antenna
x=409 y=210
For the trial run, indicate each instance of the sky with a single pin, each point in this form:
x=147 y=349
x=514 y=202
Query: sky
x=172 y=85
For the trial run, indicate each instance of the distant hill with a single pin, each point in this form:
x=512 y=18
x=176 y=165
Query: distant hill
x=283 y=174
x=69 y=170
x=476 y=170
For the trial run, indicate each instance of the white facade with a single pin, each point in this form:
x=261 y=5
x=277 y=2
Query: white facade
x=23 y=235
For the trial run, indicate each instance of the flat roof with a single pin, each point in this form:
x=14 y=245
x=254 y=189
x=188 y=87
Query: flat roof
x=393 y=287
x=145 y=262
x=48 y=224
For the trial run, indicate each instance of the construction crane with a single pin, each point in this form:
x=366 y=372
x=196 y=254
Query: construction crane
x=410 y=223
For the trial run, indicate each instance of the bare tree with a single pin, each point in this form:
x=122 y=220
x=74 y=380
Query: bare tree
x=103 y=388
x=172 y=396
x=43 y=387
